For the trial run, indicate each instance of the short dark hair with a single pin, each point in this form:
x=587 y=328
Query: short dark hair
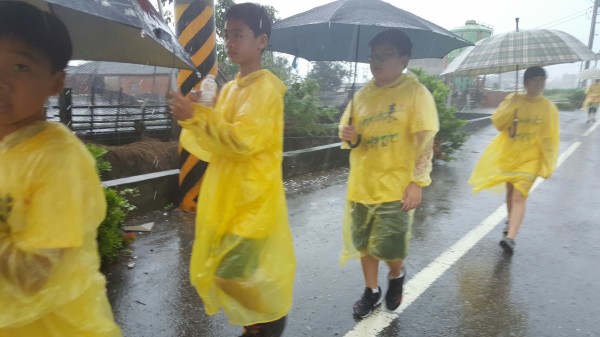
x=39 y=29
x=395 y=38
x=534 y=71
x=253 y=15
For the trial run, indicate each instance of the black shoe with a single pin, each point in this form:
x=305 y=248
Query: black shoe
x=505 y=230
x=508 y=245
x=393 y=296
x=268 y=329
x=367 y=303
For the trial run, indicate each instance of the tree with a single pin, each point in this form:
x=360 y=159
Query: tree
x=329 y=75
x=450 y=137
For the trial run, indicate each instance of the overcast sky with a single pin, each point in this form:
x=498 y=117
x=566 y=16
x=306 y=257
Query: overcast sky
x=570 y=16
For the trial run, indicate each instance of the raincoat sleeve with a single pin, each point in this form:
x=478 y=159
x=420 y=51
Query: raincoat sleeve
x=424 y=154
x=190 y=143
x=246 y=134
x=549 y=142
x=504 y=115
x=42 y=233
x=425 y=127
x=343 y=122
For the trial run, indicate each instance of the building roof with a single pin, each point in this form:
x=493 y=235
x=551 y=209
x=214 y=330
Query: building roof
x=472 y=25
x=114 y=68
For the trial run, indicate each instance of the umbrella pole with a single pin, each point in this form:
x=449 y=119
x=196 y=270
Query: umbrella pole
x=352 y=89
x=515 y=123
x=517 y=74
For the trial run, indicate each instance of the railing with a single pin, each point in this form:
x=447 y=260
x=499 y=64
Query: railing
x=112 y=123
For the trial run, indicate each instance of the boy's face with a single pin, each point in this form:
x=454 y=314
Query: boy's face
x=241 y=44
x=386 y=65
x=535 y=85
x=26 y=82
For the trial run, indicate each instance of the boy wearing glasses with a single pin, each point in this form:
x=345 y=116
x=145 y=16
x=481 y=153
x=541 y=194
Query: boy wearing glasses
x=397 y=120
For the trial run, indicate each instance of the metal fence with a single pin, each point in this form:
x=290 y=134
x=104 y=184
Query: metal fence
x=114 y=103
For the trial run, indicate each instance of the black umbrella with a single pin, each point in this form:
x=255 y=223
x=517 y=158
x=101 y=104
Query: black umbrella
x=129 y=31
x=341 y=31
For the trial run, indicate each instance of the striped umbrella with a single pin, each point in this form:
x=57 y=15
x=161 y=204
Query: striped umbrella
x=519 y=50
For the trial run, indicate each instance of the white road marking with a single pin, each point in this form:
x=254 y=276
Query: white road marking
x=418 y=284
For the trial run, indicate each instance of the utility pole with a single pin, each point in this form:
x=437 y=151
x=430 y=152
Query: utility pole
x=592 y=29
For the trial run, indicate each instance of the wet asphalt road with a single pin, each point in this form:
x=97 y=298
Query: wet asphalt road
x=548 y=288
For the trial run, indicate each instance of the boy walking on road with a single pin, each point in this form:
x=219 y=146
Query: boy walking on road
x=243 y=258
x=526 y=148
x=397 y=120
x=51 y=200
x=592 y=100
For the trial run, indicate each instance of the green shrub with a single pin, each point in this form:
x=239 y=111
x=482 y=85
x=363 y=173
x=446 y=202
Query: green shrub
x=102 y=165
x=450 y=137
x=576 y=96
x=110 y=234
x=566 y=106
x=304 y=115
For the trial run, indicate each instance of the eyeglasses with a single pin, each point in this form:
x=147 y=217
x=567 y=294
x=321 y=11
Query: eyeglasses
x=381 y=57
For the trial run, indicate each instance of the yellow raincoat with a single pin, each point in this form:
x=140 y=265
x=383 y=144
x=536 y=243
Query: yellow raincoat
x=51 y=203
x=593 y=96
x=532 y=152
x=243 y=258
x=397 y=124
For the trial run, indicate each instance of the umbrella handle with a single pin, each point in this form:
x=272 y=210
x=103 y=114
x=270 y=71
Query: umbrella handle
x=512 y=132
x=358 y=137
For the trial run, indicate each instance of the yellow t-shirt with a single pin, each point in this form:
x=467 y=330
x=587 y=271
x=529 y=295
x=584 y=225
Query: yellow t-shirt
x=51 y=204
x=388 y=119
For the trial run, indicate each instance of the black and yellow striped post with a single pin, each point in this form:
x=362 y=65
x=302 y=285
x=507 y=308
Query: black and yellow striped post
x=195 y=27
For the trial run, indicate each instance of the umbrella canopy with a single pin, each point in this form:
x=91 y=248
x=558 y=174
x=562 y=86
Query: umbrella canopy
x=129 y=31
x=341 y=31
x=590 y=74
x=522 y=49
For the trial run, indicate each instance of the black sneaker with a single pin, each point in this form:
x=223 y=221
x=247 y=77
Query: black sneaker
x=505 y=230
x=367 y=303
x=393 y=296
x=508 y=245
x=268 y=329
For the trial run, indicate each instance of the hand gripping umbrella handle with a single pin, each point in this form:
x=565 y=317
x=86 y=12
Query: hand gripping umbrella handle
x=358 y=137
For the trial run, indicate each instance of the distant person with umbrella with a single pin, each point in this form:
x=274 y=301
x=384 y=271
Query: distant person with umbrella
x=243 y=255
x=592 y=100
x=526 y=148
x=51 y=199
x=397 y=119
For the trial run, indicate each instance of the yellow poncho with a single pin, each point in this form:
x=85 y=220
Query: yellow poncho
x=51 y=203
x=593 y=95
x=532 y=152
x=242 y=210
x=397 y=124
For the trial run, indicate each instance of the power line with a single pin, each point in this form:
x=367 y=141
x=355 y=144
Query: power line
x=567 y=18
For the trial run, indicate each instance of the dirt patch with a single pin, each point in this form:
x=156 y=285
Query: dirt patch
x=145 y=156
